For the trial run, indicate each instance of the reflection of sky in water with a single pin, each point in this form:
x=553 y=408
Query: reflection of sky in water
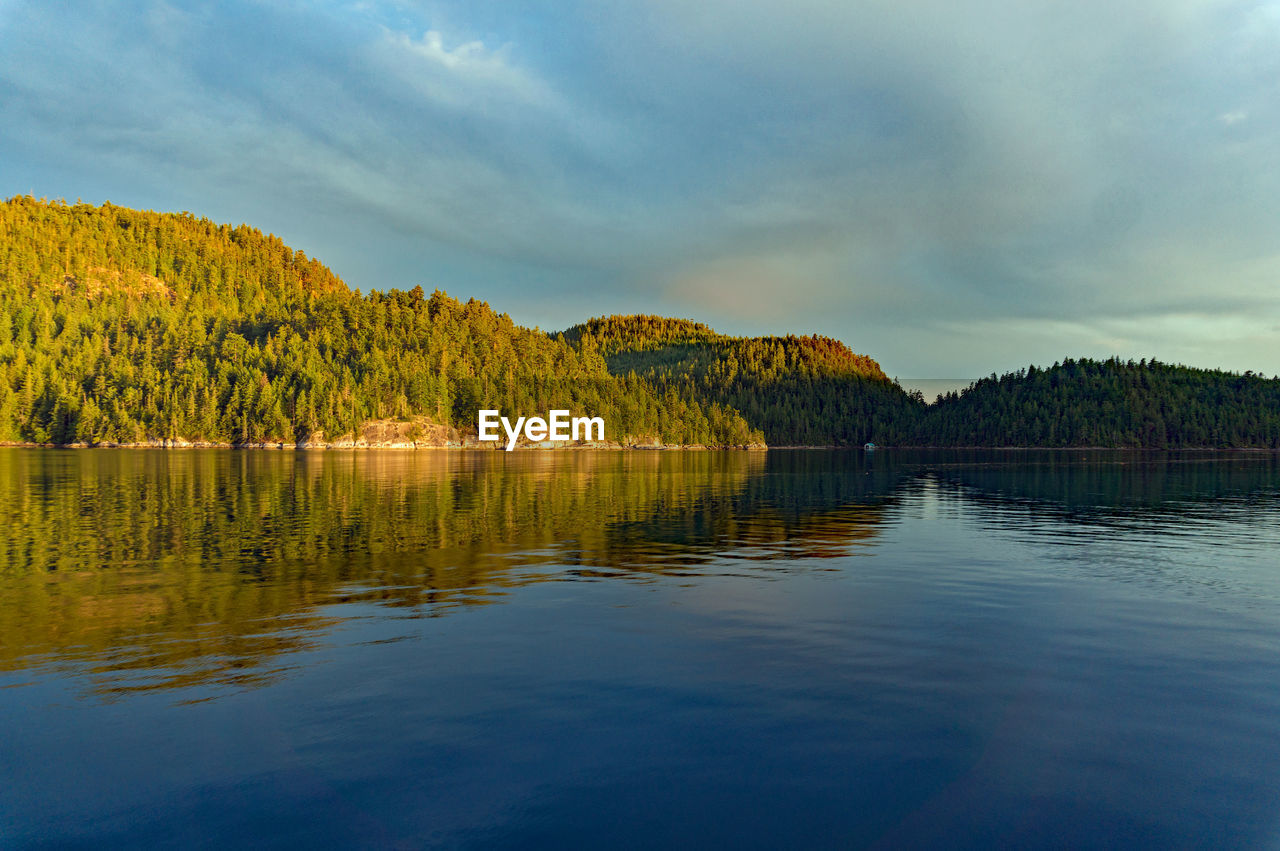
x=807 y=648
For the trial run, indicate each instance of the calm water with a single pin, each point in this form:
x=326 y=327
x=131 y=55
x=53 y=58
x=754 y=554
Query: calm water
x=821 y=649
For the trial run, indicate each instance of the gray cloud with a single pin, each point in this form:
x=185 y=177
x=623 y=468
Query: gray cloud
x=951 y=188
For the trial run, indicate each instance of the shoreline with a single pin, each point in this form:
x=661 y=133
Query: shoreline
x=411 y=447
x=476 y=446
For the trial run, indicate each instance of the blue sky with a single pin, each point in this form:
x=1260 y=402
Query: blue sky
x=952 y=188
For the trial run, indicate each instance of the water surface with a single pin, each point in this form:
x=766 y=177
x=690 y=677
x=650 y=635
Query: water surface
x=601 y=649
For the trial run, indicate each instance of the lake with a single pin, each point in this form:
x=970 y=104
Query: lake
x=639 y=649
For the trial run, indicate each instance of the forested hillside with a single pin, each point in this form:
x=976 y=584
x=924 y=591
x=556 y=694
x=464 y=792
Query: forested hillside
x=1143 y=404
x=800 y=391
x=121 y=326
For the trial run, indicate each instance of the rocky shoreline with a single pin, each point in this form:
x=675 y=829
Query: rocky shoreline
x=392 y=434
x=179 y=443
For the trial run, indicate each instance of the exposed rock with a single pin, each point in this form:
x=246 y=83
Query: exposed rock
x=101 y=279
x=418 y=433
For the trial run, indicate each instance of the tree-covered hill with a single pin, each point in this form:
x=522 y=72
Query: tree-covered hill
x=799 y=391
x=118 y=325
x=680 y=346
x=815 y=391
x=1114 y=403
x=121 y=326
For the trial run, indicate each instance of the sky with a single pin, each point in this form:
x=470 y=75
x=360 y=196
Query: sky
x=954 y=188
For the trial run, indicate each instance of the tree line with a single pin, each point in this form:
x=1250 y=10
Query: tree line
x=119 y=325
x=123 y=326
x=798 y=390
x=1143 y=404
x=814 y=391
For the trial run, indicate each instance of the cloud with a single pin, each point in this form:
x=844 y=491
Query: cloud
x=1015 y=161
x=470 y=76
x=455 y=146
x=748 y=287
x=882 y=172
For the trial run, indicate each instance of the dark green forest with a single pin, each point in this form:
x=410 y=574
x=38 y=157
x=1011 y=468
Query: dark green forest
x=807 y=391
x=800 y=391
x=1132 y=404
x=123 y=326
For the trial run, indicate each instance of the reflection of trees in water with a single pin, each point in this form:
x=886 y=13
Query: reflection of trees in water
x=153 y=569
x=1116 y=487
x=803 y=504
x=1201 y=525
